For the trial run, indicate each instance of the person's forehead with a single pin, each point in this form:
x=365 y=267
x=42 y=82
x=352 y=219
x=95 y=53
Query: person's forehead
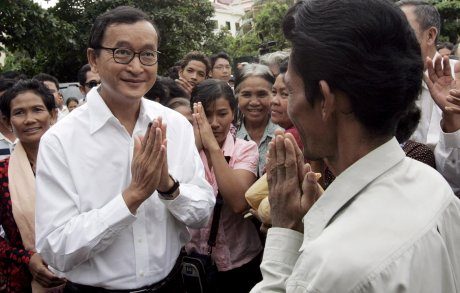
x=141 y=32
x=51 y=85
x=221 y=61
x=197 y=65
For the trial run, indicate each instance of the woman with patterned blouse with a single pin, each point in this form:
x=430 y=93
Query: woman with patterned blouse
x=30 y=109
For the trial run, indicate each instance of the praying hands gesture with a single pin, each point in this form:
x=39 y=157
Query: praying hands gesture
x=445 y=90
x=204 y=137
x=293 y=187
x=149 y=167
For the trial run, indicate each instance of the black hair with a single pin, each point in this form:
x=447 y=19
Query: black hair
x=14 y=75
x=82 y=74
x=447 y=45
x=197 y=56
x=33 y=85
x=284 y=67
x=70 y=99
x=210 y=90
x=427 y=15
x=362 y=48
x=221 y=55
x=119 y=15
x=6 y=84
x=47 y=77
x=408 y=123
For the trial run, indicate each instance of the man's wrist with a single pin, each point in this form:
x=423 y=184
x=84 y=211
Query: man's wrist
x=450 y=123
x=172 y=192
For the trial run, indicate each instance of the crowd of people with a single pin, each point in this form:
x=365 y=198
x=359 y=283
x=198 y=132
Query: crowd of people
x=112 y=192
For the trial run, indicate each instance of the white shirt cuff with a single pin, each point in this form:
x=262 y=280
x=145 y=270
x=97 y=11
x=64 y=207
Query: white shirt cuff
x=283 y=245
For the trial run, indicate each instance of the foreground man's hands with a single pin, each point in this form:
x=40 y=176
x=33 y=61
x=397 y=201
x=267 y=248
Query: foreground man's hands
x=293 y=186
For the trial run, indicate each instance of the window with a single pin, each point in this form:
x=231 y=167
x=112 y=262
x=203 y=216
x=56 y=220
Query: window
x=237 y=26
x=227 y=24
x=215 y=25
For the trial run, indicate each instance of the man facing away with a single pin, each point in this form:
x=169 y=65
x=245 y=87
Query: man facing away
x=114 y=195
x=387 y=223
x=439 y=126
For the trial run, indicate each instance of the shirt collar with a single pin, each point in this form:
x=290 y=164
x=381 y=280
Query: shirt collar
x=269 y=131
x=348 y=184
x=100 y=113
x=229 y=145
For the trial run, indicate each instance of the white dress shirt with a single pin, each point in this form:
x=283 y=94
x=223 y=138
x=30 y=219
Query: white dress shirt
x=83 y=227
x=387 y=224
x=446 y=146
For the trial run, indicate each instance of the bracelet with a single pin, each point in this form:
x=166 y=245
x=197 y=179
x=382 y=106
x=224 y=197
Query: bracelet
x=169 y=193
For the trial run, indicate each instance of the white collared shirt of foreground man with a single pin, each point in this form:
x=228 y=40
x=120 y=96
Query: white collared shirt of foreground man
x=83 y=224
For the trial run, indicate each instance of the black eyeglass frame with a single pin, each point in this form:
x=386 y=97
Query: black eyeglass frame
x=134 y=55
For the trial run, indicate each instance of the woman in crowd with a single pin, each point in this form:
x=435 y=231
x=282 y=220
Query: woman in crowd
x=71 y=103
x=253 y=87
x=279 y=105
x=30 y=109
x=230 y=167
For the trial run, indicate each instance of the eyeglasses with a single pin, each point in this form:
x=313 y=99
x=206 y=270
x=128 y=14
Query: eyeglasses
x=221 y=67
x=125 y=56
x=92 y=83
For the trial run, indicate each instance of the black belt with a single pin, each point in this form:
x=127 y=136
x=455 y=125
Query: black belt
x=173 y=276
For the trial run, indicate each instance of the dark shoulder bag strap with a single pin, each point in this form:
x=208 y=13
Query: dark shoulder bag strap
x=216 y=219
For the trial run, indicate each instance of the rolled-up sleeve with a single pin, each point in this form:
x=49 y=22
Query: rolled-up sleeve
x=447 y=155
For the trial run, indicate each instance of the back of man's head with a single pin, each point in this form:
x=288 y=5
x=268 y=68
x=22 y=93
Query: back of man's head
x=426 y=14
x=364 y=49
x=119 y=15
x=47 y=77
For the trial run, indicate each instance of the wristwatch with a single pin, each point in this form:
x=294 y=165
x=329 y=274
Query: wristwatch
x=168 y=194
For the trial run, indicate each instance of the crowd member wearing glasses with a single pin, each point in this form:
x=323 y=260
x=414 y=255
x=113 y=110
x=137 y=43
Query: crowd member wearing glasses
x=220 y=66
x=52 y=84
x=116 y=194
x=87 y=80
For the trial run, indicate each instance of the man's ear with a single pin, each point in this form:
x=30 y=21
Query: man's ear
x=210 y=74
x=328 y=104
x=92 y=59
x=432 y=33
x=181 y=71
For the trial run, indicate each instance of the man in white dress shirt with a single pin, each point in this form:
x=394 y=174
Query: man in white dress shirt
x=439 y=126
x=387 y=223
x=116 y=193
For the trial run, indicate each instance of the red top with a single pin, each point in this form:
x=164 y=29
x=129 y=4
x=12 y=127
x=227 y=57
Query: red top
x=14 y=259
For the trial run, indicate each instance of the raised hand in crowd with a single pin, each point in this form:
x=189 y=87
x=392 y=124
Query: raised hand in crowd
x=40 y=272
x=445 y=90
x=205 y=137
x=293 y=186
x=185 y=85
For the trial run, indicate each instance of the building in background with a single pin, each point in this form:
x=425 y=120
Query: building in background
x=228 y=14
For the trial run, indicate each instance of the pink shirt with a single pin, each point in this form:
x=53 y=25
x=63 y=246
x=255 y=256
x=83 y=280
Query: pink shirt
x=237 y=240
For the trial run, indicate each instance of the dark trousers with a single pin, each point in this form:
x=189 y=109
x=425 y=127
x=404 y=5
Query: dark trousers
x=242 y=279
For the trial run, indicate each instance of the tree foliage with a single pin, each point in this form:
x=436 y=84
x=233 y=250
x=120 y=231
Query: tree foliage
x=55 y=40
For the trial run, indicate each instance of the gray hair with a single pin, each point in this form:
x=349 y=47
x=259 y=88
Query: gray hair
x=253 y=70
x=427 y=15
x=277 y=57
